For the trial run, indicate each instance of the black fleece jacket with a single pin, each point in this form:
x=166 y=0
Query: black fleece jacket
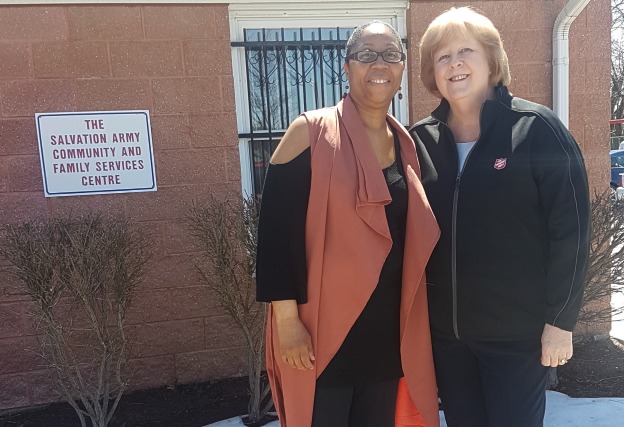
x=515 y=223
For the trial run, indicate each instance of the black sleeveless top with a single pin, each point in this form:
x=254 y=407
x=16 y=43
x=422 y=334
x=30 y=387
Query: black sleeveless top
x=371 y=350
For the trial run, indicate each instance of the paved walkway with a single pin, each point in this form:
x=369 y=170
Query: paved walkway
x=561 y=411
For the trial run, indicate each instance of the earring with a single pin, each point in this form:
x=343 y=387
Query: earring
x=344 y=95
x=400 y=95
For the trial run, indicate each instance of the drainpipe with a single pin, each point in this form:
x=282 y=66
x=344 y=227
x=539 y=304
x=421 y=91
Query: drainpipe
x=561 y=58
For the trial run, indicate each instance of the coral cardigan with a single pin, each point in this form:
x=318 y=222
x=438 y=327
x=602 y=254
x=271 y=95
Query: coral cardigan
x=347 y=242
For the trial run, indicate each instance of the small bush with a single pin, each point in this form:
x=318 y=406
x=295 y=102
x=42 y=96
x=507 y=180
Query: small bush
x=227 y=233
x=606 y=261
x=81 y=273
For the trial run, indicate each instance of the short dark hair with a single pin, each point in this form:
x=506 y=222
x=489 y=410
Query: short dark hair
x=356 y=35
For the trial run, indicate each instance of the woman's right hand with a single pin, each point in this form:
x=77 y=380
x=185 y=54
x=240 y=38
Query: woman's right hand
x=294 y=339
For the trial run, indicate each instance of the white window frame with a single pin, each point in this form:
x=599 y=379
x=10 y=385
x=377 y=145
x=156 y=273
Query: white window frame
x=307 y=14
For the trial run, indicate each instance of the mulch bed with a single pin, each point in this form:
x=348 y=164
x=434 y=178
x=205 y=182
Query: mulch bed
x=596 y=370
x=191 y=405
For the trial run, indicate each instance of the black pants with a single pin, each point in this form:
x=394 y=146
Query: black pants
x=490 y=384
x=368 y=405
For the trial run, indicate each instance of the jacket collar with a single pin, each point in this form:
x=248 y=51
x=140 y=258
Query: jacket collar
x=372 y=187
x=501 y=96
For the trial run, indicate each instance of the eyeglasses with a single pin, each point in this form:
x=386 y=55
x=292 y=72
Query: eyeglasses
x=368 y=56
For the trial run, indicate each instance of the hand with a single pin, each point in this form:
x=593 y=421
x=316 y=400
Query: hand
x=556 y=346
x=295 y=344
x=294 y=340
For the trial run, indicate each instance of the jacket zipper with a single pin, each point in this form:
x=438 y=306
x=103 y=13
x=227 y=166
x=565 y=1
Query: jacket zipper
x=454 y=254
x=454 y=232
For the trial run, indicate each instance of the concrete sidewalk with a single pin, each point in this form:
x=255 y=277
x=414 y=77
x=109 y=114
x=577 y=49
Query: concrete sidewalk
x=561 y=411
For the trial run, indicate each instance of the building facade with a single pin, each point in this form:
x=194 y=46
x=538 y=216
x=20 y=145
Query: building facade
x=221 y=82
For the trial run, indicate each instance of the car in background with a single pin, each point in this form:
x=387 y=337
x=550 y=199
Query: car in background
x=617 y=170
x=617 y=167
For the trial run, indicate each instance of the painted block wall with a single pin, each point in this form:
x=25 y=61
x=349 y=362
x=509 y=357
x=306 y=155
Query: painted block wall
x=174 y=61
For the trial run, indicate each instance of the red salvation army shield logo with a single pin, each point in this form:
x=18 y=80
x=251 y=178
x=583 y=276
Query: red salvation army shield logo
x=500 y=163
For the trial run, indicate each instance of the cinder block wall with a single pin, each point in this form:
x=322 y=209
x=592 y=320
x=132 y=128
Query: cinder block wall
x=174 y=61
x=526 y=30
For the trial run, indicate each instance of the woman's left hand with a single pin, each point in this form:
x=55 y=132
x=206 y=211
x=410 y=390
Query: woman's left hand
x=556 y=346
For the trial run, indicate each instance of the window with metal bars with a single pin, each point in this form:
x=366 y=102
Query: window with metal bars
x=287 y=71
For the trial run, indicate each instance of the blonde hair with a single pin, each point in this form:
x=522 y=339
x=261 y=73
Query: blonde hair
x=462 y=22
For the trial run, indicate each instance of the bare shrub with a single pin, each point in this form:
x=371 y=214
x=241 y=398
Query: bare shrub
x=227 y=233
x=81 y=274
x=605 y=269
x=606 y=261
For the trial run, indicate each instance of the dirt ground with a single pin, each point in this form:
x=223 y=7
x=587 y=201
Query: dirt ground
x=596 y=370
x=191 y=405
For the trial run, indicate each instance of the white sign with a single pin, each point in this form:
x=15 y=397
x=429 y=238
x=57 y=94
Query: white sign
x=96 y=152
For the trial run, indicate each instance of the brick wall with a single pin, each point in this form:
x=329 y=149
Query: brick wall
x=526 y=30
x=174 y=61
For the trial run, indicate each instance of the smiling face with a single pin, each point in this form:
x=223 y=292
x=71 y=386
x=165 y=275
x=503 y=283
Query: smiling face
x=462 y=72
x=375 y=84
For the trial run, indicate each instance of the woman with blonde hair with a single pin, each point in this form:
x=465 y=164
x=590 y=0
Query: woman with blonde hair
x=507 y=184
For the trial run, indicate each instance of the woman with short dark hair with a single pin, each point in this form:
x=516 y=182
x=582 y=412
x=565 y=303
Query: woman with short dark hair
x=342 y=208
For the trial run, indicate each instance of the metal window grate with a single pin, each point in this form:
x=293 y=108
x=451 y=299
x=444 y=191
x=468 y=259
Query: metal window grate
x=288 y=71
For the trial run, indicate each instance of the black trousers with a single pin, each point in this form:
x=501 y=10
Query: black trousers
x=490 y=384
x=367 y=405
